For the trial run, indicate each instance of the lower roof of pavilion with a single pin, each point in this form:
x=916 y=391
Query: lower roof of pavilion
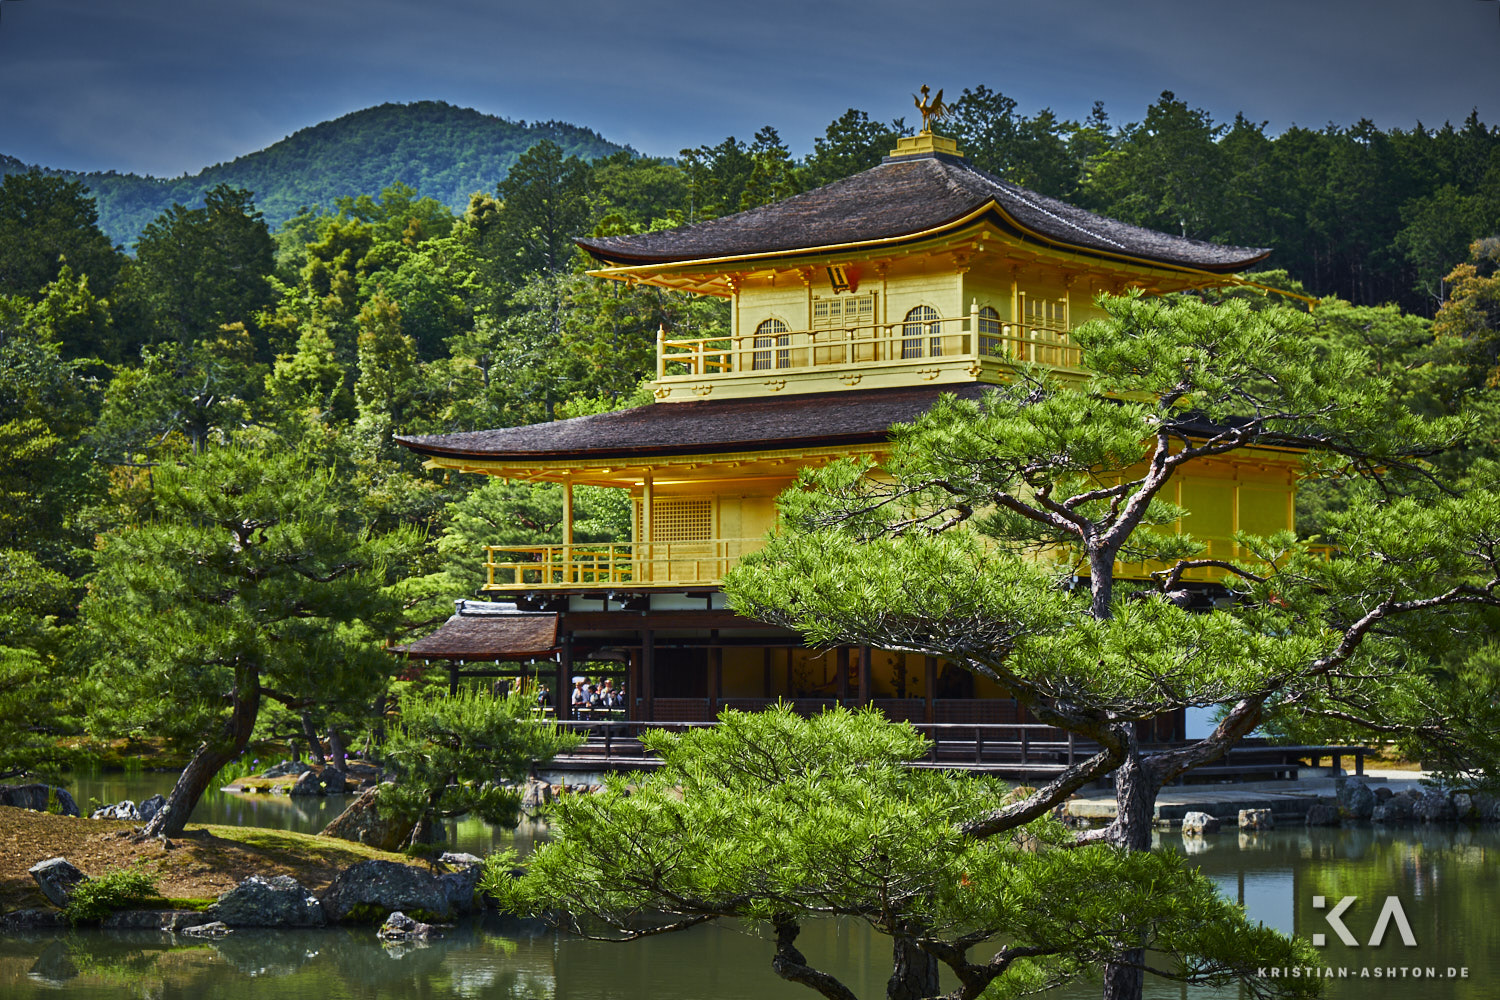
x=744 y=438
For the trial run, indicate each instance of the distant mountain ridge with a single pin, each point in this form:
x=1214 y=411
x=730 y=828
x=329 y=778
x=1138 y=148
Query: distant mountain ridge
x=445 y=152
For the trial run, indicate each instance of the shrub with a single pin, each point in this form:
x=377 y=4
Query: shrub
x=96 y=898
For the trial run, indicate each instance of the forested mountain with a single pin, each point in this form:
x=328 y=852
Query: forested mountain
x=445 y=152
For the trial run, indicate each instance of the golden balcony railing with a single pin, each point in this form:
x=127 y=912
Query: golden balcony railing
x=966 y=338
x=655 y=564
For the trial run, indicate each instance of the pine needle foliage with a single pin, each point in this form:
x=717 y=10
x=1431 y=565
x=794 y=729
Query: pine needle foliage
x=465 y=753
x=774 y=818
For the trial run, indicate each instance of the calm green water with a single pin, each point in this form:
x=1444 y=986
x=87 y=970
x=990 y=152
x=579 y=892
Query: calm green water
x=1447 y=882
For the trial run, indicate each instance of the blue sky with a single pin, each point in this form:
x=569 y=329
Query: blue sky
x=171 y=86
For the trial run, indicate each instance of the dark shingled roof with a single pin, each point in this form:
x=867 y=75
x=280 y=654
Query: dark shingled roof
x=901 y=197
x=480 y=630
x=727 y=425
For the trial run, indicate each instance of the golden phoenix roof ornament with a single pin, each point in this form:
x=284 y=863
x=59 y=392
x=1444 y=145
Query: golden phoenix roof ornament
x=934 y=110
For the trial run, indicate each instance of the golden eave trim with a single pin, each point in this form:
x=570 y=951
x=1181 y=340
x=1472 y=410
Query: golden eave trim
x=618 y=467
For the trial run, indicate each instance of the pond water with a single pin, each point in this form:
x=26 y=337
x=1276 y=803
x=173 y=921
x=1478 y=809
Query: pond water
x=1446 y=881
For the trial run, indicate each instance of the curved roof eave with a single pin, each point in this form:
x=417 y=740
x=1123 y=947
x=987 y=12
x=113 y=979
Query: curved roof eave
x=622 y=263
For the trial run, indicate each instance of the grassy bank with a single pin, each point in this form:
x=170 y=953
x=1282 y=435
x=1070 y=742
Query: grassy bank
x=202 y=864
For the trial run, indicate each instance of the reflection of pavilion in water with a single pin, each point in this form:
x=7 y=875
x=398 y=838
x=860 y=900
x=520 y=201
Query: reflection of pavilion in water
x=852 y=307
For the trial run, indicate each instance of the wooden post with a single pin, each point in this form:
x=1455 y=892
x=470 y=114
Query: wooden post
x=567 y=531
x=929 y=683
x=564 y=695
x=634 y=698
x=864 y=675
x=648 y=671
x=452 y=677
x=843 y=668
x=715 y=673
x=647 y=555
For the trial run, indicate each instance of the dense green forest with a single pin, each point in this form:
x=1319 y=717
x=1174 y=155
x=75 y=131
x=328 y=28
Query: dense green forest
x=443 y=151
x=299 y=349
x=1369 y=215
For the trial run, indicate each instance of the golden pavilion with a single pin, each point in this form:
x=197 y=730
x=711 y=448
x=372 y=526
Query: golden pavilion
x=853 y=307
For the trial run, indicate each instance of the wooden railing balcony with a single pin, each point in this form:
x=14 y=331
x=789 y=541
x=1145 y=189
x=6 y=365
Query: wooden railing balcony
x=654 y=564
x=969 y=338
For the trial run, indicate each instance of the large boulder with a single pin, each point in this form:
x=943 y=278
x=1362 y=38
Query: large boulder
x=216 y=929
x=1463 y=805
x=1486 y=808
x=1393 y=811
x=1196 y=824
x=1434 y=807
x=57 y=878
x=362 y=822
x=124 y=809
x=286 y=769
x=1323 y=813
x=38 y=797
x=273 y=902
x=535 y=794
x=1256 y=819
x=382 y=887
x=311 y=783
x=399 y=927
x=1355 y=799
x=150 y=807
x=1382 y=794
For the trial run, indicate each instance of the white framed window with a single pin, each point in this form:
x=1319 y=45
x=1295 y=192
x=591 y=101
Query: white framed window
x=922 y=323
x=989 y=332
x=769 y=336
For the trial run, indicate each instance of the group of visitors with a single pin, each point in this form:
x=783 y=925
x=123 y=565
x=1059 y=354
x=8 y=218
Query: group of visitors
x=588 y=696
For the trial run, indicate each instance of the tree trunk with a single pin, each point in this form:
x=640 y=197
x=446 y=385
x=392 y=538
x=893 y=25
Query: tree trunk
x=791 y=965
x=914 y=973
x=1136 y=786
x=336 y=755
x=314 y=746
x=1102 y=582
x=212 y=755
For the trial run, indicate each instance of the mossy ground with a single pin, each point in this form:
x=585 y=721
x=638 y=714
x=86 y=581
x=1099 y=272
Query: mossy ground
x=202 y=864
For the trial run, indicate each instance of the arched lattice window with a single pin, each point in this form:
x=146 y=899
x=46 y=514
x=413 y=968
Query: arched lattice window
x=922 y=320
x=771 y=334
x=989 y=332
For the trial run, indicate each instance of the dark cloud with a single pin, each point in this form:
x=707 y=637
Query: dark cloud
x=167 y=86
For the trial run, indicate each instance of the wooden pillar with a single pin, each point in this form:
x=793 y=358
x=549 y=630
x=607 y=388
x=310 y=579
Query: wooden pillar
x=453 y=677
x=567 y=531
x=929 y=682
x=647 y=555
x=864 y=675
x=635 y=708
x=843 y=669
x=715 y=673
x=648 y=671
x=564 y=694
x=765 y=662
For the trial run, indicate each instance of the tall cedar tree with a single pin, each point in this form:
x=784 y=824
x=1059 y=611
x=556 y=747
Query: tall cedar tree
x=197 y=269
x=44 y=223
x=996 y=533
x=248 y=582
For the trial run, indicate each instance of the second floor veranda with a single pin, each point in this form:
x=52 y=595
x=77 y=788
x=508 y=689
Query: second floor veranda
x=919 y=347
